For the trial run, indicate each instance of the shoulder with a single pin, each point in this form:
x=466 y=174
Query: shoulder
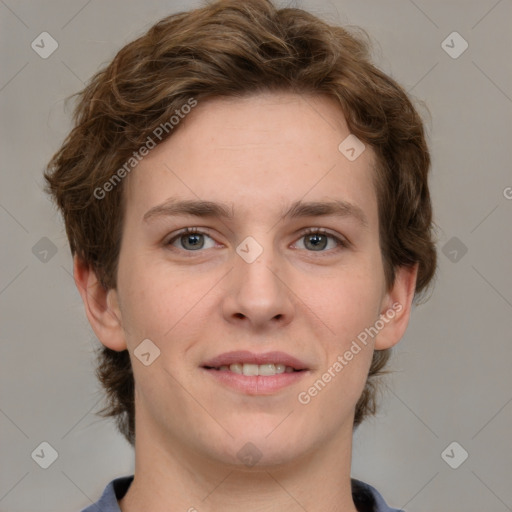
x=114 y=491
x=368 y=499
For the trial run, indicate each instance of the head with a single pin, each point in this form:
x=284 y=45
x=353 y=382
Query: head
x=245 y=105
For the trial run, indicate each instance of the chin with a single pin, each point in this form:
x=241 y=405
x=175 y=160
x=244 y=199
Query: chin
x=261 y=446
x=257 y=457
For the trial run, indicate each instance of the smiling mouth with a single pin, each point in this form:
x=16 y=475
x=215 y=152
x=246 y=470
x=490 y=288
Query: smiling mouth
x=250 y=369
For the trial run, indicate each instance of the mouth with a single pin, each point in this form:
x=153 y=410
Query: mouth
x=248 y=363
x=255 y=374
x=250 y=369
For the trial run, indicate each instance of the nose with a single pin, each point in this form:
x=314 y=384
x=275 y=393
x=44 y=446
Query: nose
x=257 y=295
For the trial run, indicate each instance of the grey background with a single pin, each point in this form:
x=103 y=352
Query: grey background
x=453 y=368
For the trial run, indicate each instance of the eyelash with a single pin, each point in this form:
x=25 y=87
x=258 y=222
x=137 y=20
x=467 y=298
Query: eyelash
x=342 y=242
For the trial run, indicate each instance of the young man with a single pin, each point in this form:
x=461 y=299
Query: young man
x=246 y=201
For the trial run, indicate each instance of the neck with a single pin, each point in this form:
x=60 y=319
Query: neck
x=171 y=479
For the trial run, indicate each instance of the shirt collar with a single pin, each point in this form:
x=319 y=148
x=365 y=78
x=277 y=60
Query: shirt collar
x=366 y=498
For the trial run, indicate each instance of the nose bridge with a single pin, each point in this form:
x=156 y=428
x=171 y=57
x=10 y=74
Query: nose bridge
x=256 y=290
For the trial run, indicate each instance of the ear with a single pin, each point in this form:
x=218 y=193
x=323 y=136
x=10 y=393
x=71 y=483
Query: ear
x=101 y=306
x=396 y=307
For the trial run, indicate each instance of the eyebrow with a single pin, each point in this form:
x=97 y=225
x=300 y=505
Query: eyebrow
x=298 y=209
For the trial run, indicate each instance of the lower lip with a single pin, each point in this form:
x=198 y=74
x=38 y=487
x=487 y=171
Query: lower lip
x=256 y=384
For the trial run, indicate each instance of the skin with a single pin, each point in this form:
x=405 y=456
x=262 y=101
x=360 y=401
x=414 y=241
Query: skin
x=257 y=154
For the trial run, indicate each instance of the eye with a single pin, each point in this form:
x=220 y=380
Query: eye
x=317 y=240
x=191 y=239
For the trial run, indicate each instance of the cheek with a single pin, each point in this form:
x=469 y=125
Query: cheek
x=347 y=352
x=347 y=303
x=157 y=302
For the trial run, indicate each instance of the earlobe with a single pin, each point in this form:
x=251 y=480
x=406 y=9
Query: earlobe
x=101 y=306
x=396 y=308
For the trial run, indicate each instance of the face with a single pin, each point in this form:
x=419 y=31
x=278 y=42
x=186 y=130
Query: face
x=264 y=293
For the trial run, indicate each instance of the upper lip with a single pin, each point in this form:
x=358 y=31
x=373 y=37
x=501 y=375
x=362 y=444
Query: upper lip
x=245 y=356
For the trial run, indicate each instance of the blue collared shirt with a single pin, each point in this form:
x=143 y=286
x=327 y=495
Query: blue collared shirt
x=366 y=498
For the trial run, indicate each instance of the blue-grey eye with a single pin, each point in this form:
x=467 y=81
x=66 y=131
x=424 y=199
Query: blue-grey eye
x=319 y=241
x=191 y=240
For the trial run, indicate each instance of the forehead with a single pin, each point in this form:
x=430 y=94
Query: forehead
x=257 y=153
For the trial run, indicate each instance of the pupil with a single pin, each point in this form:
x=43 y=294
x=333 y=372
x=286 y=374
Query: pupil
x=193 y=241
x=317 y=241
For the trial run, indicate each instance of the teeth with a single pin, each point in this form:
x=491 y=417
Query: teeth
x=236 y=368
x=250 y=369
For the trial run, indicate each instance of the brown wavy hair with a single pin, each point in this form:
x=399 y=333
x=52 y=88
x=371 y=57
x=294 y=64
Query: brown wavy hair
x=234 y=48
